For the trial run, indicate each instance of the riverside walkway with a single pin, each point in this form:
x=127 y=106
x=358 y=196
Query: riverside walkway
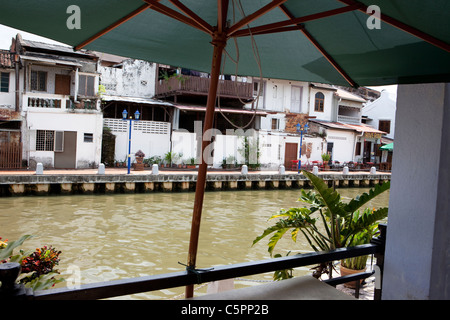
x=116 y=180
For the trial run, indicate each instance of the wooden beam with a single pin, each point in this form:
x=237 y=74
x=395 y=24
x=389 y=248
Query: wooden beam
x=295 y=21
x=113 y=26
x=175 y=15
x=246 y=32
x=255 y=15
x=321 y=49
x=205 y=25
x=222 y=12
x=403 y=26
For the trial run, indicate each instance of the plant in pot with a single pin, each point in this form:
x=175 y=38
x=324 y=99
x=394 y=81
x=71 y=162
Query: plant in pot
x=358 y=264
x=191 y=163
x=171 y=158
x=37 y=268
x=326 y=221
x=325 y=158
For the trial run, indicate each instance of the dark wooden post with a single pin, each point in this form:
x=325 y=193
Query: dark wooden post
x=380 y=241
x=219 y=42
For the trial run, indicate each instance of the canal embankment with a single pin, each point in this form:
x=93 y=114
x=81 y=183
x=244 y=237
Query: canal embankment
x=116 y=180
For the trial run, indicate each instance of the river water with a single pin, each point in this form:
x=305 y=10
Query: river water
x=118 y=236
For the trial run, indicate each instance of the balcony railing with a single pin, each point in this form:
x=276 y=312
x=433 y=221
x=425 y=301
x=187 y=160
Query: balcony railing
x=144 y=126
x=349 y=120
x=200 y=86
x=116 y=288
x=57 y=101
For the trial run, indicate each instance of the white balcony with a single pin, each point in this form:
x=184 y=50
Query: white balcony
x=56 y=102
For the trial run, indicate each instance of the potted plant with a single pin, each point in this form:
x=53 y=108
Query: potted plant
x=358 y=264
x=191 y=163
x=327 y=222
x=37 y=268
x=170 y=158
x=325 y=158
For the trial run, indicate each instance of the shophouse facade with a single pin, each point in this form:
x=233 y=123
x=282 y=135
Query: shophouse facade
x=57 y=105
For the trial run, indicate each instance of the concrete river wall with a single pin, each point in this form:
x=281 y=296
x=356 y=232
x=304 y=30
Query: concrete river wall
x=95 y=183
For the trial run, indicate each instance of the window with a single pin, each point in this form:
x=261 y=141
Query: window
x=319 y=102
x=275 y=124
x=45 y=140
x=49 y=140
x=88 y=137
x=38 y=80
x=4 y=82
x=258 y=88
x=384 y=125
x=86 y=85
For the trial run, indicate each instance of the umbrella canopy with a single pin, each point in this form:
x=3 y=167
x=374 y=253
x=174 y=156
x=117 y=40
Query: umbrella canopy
x=342 y=42
x=389 y=147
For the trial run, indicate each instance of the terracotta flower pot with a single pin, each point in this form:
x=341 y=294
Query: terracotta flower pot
x=345 y=272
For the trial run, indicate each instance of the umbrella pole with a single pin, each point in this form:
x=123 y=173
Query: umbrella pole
x=219 y=42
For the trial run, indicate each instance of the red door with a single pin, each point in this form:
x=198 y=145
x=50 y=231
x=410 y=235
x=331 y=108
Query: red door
x=290 y=153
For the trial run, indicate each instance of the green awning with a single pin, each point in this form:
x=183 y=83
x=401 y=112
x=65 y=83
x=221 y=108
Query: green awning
x=321 y=49
x=389 y=147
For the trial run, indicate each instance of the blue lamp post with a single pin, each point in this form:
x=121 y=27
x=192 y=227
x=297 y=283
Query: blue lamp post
x=301 y=129
x=136 y=118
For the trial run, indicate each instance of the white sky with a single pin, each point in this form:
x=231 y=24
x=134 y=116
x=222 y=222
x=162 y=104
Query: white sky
x=7 y=33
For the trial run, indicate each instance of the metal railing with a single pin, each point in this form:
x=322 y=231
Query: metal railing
x=123 y=287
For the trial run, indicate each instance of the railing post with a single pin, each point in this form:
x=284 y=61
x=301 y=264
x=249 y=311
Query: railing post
x=380 y=241
x=9 y=289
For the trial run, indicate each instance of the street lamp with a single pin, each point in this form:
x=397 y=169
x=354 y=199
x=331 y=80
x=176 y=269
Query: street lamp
x=301 y=129
x=136 y=118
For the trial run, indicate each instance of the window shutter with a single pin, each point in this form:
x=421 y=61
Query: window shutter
x=32 y=139
x=59 y=141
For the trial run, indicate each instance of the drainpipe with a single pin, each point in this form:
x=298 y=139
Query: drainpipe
x=75 y=95
x=16 y=65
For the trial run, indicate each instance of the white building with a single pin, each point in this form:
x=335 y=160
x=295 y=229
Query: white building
x=129 y=85
x=380 y=114
x=59 y=105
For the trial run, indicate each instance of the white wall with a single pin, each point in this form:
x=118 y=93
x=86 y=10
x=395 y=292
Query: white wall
x=384 y=108
x=343 y=144
x=271 y=147
x=278 y=95
x=145 y=136
x=329 y=110
x=417 y=258
x=7 y=99
x=136 y=78
x=54 y=119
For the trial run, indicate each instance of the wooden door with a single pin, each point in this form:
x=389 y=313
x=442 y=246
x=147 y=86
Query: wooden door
x=65 y=157
x=290 y=153
x=62 y=84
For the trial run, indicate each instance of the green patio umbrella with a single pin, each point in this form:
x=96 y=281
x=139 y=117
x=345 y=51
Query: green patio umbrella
x=389 y=147
x=342 y=42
